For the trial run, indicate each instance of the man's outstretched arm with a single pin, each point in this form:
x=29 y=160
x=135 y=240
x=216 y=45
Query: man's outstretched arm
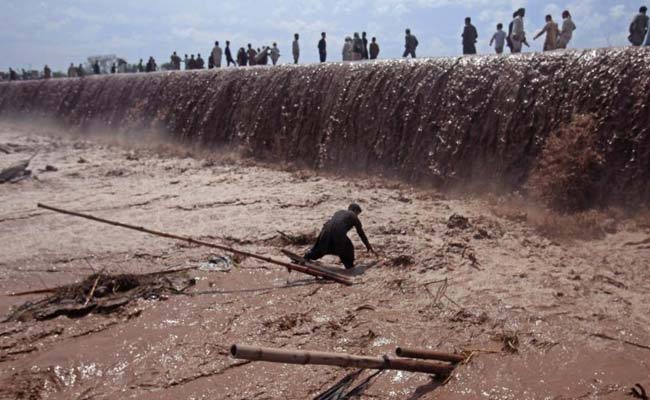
x=362 y=235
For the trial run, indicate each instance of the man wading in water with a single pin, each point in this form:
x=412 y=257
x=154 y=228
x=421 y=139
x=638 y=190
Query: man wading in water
x=333 y=238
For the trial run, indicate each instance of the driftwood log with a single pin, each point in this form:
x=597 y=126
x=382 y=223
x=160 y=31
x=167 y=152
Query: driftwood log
x=337 y=359
x=293 y=267
x=425 y=354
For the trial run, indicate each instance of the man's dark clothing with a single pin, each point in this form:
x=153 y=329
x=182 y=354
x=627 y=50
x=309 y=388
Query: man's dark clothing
x=364 y=54
x=374 y=51
x=229 y=58
x=333 y=238
x=469 y=39
x=199 y=63
x=638 y=29
x=322 y=50
x=411 y=43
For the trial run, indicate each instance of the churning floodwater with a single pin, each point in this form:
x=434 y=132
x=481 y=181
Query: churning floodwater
x=447 y=121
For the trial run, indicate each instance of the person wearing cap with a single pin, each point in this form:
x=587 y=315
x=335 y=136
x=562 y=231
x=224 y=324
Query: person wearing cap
x=333 y=238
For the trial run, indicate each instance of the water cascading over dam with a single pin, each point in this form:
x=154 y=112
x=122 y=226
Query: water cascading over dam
x=449 y=121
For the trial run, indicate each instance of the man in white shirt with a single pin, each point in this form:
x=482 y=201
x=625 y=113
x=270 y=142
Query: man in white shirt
x=518 y=36
x=216 y=55
x=566 y=33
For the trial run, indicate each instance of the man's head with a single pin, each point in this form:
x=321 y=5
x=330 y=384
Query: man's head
x=296 y=36
x=323 y=35
x=355 y=208
x=363 y=34
x=275 y=44
x=549 y=18
x=499 y=26
x=227 y=42
x=521 y=12
x=216 y=43
x=408 y=31
x=566 y=14
x=250 y=46
x=356 y=35
x=374 y=39
x=468 y=21
x=643 y=9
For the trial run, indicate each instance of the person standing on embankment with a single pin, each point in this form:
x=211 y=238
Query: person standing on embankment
x=639 y=27
x=551 y=30
x=567 y=30
x=410 y=44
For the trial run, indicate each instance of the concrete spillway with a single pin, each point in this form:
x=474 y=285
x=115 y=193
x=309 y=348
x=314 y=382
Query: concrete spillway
x=446 y=121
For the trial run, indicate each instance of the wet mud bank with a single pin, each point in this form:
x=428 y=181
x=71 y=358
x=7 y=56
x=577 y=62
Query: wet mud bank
x=482 y=121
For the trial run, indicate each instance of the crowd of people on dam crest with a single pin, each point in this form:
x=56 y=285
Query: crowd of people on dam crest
x=356 y=47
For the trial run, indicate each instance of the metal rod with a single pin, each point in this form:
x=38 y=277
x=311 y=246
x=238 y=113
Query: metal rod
x=299 y=268
x=337 y=359
x=428 y=355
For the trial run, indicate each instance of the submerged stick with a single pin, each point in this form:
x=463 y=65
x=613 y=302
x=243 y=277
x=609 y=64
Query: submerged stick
x=299 y=268
x=337 y=359
x=428 y=355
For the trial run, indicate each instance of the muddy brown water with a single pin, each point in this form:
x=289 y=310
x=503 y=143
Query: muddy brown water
x=560 y=300
x=453 y=121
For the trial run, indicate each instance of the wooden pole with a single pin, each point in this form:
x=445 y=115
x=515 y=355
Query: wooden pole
x=337 y=359
x=299 y=268
x=428 y=355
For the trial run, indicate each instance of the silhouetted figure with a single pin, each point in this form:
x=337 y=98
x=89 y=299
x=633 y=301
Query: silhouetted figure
x=229 y=58
x=216 y=55
x=357 y=47
x=113 y=68
x=13 y=76
x=518 y=34
x=364 y=39
x=470 y=36
x=333 y=238
x=552 y=31
x=347 y=49
x=242 y=59
x=175 y=60
x=275 y=54
x=141 y=66
x=566 y=33
x=80 y=71
x=47 y=72
x=498 y=39
x=72 y=71
x=639 y=27
x=322 y=48
x=186 y=61
x=374 y=49
x=191 y=63
x=96 y=69
x=410 y=44
x=151 y=65
x=295 y=48
x=199 y=63
x=251 y=53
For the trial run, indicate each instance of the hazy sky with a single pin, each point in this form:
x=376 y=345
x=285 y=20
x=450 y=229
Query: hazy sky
x=58 y=32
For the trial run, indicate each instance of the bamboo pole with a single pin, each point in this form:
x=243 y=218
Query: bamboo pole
x=299 y=268
x=428 y=355
x=337 y=359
